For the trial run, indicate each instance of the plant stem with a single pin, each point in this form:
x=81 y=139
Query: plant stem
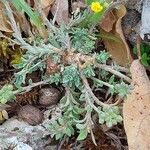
x=30 y=87
x=89 y=90
x=102 y=82
x=115 y=72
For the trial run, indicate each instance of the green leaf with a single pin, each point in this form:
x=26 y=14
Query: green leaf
x=22 y=5
x=101 y=120
x=111 y=79
x=123 y=89
x=109 y=124
x=83 y=134
x=3 y=101
x=119 y=119
x=102 y=57
x=89 y=2
x=95 y=18
x=81 y=126
x=145 y=59
x=88 y=71
x=71 y=76
x=6 y=93
x=61 y=121
x=68 y=131
x=58 y=136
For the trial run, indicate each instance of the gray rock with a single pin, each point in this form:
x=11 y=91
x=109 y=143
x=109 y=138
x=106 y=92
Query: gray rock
x=22 y=146
x=22 y=136
x=145 y=27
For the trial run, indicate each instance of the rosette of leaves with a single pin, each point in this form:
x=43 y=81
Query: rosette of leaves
x=78 y=104
x=70 y=76
x=82 y=41
x=102 y=57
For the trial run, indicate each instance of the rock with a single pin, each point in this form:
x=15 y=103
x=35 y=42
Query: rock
x=131 y=25
x=145 y=27
x=22 y=146
x=15 y=132
x=31 y=115
x=133 y=4
x=49 y=96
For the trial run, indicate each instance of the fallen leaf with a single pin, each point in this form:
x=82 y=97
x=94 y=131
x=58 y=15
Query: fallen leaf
x=136 y=110
x=23 y=22
x=46 y=5
x=108 y=22
x=60 y=11
x=4 y=26
x=111 y=24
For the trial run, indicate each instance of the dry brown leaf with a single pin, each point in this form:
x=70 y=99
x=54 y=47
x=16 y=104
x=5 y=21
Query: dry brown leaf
x=136 y=110
x=108 y=22
x=23 y=23
x=46 y=5
x=60 y=11
x=4 y=26
x=112 y=24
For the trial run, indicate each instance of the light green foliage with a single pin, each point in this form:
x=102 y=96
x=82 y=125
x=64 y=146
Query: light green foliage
x=28 y=65
x=61 y=127
x=81 y=41
x=71 y=76
x=110 y=115
x=95 y=17
x=33 y=60
x=6 y=93
x=123 y=89
x=88 y=71
x=23 y=6
x=102 y=57
x=71 y=112
x=145 y=54
x=55 y=78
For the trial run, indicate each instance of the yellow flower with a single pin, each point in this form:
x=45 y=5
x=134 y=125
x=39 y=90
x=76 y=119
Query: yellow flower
x=96 y=7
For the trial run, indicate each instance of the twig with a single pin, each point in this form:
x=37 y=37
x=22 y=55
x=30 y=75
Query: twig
x=111 y=70
x=55 y=16
x=30 y=87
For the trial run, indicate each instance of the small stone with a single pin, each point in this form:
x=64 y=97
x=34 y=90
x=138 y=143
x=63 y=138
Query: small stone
x=49 y=96
x=31 y=115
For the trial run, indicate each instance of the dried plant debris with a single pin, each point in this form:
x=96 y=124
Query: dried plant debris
x=136 y=109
